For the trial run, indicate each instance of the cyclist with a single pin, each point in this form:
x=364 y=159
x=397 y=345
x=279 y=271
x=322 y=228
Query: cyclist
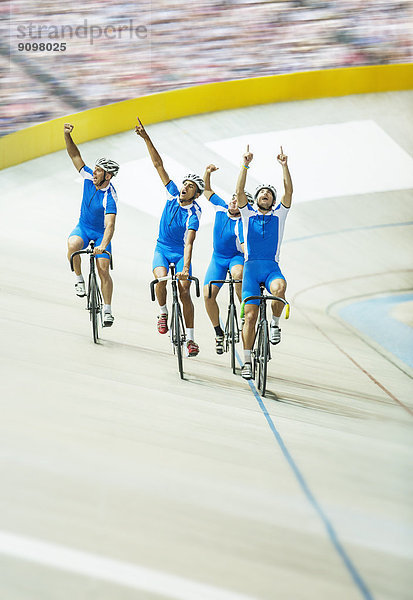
x=96 y=222
x=227 y=252
x=263 y=232
x=177 y=230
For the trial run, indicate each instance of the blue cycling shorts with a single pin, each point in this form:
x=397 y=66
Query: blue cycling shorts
x=87 y=235
x=164 y=256
x=219 y=266
x=255 y=272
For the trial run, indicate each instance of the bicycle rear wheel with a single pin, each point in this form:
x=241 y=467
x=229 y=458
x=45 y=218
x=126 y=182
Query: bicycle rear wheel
x=263 y=358
x=232 y=318
x=93 y=306
x=177 y=338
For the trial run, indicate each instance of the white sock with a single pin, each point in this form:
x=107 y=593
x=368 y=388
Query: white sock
x=107 y=308
x=79 y=278
x=163 y=310
x=190 y=334
x=247 y=356
x=275 y=320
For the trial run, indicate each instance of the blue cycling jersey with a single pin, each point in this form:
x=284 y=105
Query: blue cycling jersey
x=263 y=233
x=228 y=235
x=96 y=203
x=177 y=220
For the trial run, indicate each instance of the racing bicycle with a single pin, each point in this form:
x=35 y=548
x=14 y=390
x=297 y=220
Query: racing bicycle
x=94 y=296
x=261 y=353
x=177 y=327
x=231 y=331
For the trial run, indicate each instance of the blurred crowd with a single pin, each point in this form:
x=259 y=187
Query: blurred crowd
x=145 y=47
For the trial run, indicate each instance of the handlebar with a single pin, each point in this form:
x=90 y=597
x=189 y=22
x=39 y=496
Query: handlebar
x=89 y=251
x=175 y=278
x=264 y=298
x=221 y=281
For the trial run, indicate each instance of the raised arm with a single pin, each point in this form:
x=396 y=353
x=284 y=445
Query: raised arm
x=153 y=153
x=72 y=149
x=208 y=192
x=288 y=184
x=242 y=177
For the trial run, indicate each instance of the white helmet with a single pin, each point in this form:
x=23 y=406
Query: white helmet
x=249 y=198
x=108 y=165
x=266 y=186
x=199 y=182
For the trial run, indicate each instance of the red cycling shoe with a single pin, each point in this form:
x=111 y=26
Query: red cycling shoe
x=163 y=323
x=192 y=347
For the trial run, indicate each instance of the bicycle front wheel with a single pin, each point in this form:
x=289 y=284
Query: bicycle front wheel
x=263 y=358
x=94 y=308
x=232 y=330
x=177 y=339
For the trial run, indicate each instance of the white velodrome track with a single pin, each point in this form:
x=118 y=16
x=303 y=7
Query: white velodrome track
x=120 y=481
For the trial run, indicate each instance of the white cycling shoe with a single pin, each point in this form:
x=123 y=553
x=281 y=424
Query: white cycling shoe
x=108 y=319
x=275 y=334
x=219 y=344
x=80 y=289
x=246 y=371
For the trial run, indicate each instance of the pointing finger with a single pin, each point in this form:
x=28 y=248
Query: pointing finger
x=282 y=151
x=248 y=147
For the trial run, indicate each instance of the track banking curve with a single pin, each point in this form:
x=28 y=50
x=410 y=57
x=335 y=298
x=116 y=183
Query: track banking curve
x=122 y=481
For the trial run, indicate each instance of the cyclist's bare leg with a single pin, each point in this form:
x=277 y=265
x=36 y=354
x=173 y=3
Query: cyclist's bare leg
x=187 y=305
x=105 y=279
x=248 y=331
x=211 y=305
x=160 y=288
x=75 y=243
x=277 y=288
x=236 y=272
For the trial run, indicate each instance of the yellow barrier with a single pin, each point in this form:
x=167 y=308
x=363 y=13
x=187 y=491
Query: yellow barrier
x=113 y=118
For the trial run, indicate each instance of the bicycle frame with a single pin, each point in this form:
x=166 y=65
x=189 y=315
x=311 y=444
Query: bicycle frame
x=178 y=335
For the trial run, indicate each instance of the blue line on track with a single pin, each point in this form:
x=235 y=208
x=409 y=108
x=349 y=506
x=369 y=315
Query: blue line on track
x=307 y=492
